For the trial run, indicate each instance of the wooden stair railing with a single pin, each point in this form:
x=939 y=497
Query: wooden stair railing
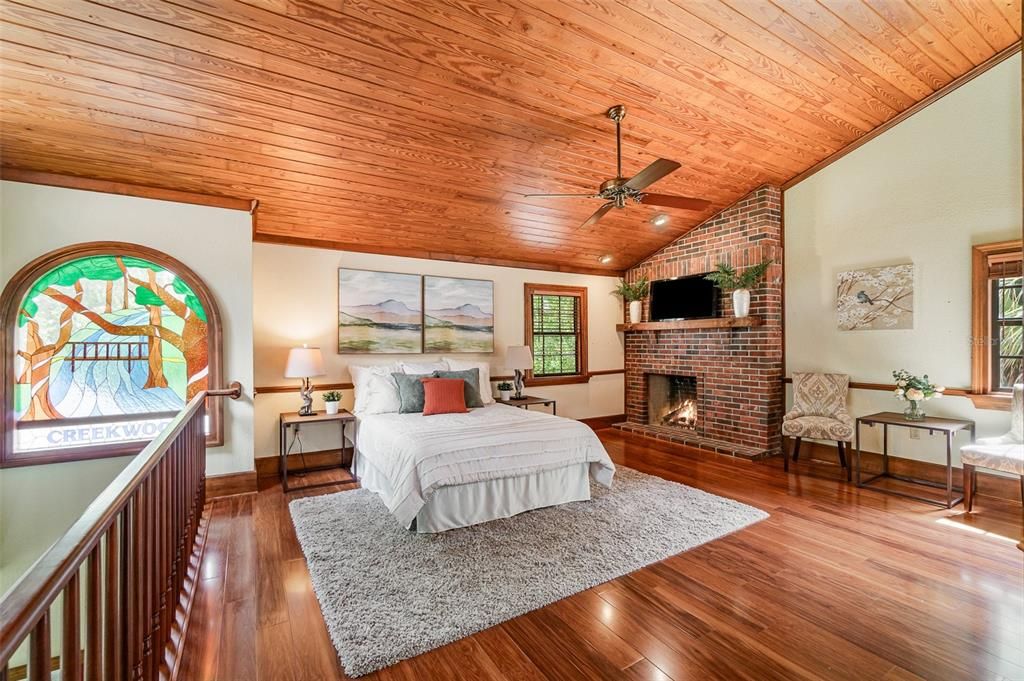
x=134 y=552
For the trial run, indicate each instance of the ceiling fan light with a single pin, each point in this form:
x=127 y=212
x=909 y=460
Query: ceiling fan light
x=605 y=259
x=659 y=219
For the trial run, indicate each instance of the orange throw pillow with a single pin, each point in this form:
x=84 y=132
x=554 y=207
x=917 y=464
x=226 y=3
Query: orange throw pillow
x=444 y=396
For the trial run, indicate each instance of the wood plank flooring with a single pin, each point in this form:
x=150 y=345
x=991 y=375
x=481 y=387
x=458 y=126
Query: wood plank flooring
x=838 y=583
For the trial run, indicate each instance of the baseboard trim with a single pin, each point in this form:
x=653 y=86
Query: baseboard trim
x=230 y=484
x=599 y=422
x=268 y=467
x=989 y=485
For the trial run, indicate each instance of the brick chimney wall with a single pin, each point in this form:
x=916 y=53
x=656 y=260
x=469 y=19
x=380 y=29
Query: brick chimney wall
x=740 y=370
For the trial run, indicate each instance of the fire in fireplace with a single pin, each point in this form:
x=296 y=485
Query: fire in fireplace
x=672 y=401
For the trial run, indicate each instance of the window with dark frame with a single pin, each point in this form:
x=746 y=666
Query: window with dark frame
x=997 y=328
x=556 y=331
x=1007 y=361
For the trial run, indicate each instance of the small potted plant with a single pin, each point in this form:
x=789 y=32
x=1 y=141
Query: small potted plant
x=727 y=278
x=332 y=398
x=505 y=391
x=633 y=294
x=915 y=390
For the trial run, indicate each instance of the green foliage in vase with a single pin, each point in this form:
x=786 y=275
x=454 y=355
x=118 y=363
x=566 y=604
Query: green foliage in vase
x=632 y=291
x=504 y=385
x=332 y=396
x=727 y=278
x=914 y=388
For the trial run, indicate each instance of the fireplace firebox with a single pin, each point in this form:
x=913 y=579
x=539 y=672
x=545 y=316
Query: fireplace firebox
x=672 y=401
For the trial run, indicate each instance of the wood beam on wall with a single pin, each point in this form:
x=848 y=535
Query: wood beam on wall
x=123 y=189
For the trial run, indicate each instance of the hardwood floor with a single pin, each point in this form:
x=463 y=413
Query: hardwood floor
x=838 y=583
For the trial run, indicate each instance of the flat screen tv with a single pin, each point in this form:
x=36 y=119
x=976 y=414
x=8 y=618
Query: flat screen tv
x=684 y=298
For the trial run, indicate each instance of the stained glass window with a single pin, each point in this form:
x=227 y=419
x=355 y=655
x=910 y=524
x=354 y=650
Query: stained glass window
x=108 y=348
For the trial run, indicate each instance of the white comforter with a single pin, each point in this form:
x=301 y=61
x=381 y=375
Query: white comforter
x=419 y=454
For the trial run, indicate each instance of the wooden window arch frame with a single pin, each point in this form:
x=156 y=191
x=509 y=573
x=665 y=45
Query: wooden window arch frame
x=15 y=291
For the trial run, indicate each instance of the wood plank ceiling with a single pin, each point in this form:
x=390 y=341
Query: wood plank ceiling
x=414 y=126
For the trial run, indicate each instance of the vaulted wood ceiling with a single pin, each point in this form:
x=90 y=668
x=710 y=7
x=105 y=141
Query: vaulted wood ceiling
x=415 y=126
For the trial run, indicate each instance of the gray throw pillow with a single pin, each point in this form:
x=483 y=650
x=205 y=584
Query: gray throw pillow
x=472 y=385
x=410 y=392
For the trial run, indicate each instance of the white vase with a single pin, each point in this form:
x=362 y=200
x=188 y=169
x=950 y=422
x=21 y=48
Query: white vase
x=636 y=311
x=331 y=407
x=505 y=395
x=741 y=302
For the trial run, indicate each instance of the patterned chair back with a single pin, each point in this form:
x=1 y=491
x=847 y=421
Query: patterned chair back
x=820 y=394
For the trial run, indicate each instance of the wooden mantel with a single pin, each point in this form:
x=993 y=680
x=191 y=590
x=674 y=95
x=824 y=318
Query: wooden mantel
x=712 y=323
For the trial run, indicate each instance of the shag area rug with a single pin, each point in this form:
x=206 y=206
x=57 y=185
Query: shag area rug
x=388 y=594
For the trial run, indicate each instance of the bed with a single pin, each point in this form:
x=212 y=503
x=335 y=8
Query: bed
x=436 y=473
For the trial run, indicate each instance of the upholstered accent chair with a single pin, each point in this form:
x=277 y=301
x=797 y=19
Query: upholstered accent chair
x=819 y=413
x=1004 y=453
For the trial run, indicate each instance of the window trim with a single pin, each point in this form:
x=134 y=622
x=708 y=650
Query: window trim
x=982 y=394
x=582 y=374
x=13 y=294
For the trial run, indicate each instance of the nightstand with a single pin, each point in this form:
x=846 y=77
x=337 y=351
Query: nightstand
x=291 y=420
x=528 y=400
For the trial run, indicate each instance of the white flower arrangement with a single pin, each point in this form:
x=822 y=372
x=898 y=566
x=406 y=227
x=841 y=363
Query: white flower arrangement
x=914 y=389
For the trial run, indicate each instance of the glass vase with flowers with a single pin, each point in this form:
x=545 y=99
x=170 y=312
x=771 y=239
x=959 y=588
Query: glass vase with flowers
x=915 y=390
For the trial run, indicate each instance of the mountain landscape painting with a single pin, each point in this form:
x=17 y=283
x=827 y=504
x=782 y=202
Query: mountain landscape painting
x=379 y=312
x=459 y=315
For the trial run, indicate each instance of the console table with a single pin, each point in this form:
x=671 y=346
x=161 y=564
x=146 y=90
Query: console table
x=949 y=427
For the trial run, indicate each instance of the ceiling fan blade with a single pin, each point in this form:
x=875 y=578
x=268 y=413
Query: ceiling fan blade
x=652 y=173
x=669 y=201
x=582 y=196
x=598 y=214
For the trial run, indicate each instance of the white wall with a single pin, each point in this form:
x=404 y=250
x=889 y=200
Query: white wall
x=30 y=521
x=214 y=242
x=923 y=192
x=296 y=301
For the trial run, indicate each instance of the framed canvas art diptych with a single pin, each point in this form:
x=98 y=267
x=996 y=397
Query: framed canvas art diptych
x=379 y=312
x=459 y=315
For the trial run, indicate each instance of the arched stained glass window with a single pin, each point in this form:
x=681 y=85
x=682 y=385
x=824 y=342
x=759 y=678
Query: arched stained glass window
x=107 y=342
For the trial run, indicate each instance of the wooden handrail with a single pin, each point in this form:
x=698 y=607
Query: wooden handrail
x=889 y=387
x=147 y=520
x=234 y=391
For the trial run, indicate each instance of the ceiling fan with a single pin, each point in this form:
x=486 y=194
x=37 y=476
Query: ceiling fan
x=619 y=191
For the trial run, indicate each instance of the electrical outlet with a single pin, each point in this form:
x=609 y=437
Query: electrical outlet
x=915 y=434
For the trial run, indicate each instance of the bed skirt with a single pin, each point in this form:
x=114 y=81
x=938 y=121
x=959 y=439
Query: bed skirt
x=455 y=506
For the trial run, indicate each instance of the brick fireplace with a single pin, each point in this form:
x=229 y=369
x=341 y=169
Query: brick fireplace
x=735 y=373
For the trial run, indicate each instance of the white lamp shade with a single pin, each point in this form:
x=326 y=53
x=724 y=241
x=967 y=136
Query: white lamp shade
x=518 y=357
x=304 y=362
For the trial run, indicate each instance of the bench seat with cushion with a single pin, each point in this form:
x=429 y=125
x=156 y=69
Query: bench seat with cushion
x=1004 y=453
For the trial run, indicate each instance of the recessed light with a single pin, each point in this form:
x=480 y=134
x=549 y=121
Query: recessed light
x=659 y=220
x=605 y=259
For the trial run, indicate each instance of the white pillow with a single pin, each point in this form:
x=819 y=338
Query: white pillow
x=486 y=390
x=376 y=391
x=424 y=367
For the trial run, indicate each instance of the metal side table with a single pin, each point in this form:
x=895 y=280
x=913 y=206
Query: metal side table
x=949 y=427
x=293 y=420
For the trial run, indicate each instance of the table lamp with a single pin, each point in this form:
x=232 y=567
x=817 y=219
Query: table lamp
x=302 y=363
x=520 y=358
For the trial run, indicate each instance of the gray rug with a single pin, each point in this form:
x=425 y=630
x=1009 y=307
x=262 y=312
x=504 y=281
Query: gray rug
x=388 y=594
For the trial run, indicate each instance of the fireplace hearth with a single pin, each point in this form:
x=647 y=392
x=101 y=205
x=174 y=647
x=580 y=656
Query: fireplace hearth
x=672 y=401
